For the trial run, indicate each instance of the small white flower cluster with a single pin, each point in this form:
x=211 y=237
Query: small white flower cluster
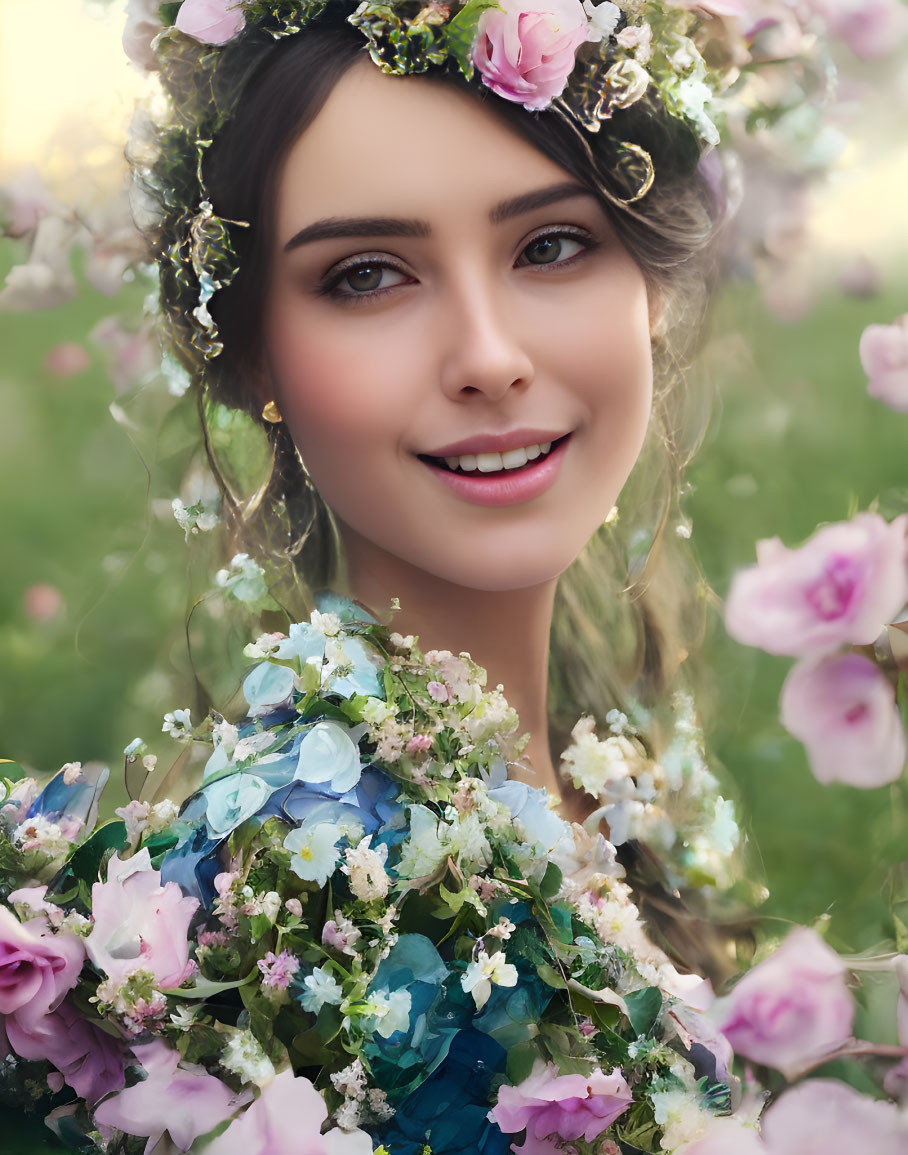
x=359 y=1099
x=54 y=839
x=145 y=817
x=193 y=519
x=244 y=581
x=178 y=724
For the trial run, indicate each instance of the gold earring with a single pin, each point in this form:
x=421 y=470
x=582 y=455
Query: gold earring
x=272 y=414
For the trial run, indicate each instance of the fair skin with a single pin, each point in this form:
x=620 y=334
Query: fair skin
x=486 y=325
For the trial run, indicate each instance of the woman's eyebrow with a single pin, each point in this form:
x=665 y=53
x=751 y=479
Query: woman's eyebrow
x=331 y=228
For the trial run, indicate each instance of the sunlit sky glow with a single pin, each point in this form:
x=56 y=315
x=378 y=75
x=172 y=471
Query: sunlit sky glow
x=67 y=93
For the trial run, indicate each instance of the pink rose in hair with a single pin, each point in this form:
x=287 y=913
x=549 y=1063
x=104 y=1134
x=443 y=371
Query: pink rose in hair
x=37 y=966
x=843 y=710
x=140 y=924
x=842 y=586
x=211 y=21
x=824 y=1117
x=884 y=355
x=793 y=1007
x=563 y=1106
x=525 y=51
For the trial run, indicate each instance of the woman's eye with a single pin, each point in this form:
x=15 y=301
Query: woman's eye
x=555 y=248
x=363 y=279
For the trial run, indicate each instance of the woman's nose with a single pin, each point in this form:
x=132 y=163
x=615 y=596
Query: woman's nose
x=485 y=351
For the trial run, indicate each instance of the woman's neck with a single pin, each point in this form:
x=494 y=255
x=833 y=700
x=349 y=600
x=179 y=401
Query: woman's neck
x=507 y=632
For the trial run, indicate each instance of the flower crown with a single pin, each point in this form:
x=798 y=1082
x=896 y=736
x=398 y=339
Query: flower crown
x=581 y=61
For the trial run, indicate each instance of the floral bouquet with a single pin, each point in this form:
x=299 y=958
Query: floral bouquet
x=358 y=935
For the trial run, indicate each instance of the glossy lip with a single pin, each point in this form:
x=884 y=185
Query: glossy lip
x=496 y=442
x=507 y=487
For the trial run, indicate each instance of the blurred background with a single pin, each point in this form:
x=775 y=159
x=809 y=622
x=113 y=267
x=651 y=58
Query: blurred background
x=95 y=570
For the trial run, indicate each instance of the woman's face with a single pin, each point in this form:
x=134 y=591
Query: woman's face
x=459 y=343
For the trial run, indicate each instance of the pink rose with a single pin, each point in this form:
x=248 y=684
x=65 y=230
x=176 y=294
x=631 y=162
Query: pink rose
x=89 y=1059
x=842 y=586
x=793 y=1008
x=565 y=1106
x=37 y=966
x=140 y=924
x=211 y=21
x=843 y=710
x=884 y=355
x=286 y=1119
x=824 y=1117
x=525 y=52
x=185 y=1101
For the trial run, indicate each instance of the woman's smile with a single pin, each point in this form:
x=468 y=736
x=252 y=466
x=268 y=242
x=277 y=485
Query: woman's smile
x=518 y=472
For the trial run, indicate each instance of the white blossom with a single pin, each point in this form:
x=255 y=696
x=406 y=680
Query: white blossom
x=485 y=970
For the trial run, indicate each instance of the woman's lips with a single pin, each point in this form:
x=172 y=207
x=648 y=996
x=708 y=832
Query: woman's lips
x=507 y=486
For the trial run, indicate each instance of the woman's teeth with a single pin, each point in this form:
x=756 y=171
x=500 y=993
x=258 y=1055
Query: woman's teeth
x=494 y=462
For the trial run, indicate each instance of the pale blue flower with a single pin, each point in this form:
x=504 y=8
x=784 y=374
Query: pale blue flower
x=327 y=754
x=360 y=663
x=303 y=641
x=541 y=825
x=233 y=799
x=268 y=685
x=314 y=850
x=320 y=987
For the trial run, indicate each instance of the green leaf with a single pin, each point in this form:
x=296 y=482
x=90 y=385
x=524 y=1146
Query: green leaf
x=521 y=1059
x=85 y=861
x=206 y=988
x=199 y=1042
x=551 y=977
x=561 y=920
x=551 y=881
x=643 y=1008
x=461 y=32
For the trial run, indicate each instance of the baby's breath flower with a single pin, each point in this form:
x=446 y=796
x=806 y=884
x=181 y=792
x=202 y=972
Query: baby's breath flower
x=178 y=725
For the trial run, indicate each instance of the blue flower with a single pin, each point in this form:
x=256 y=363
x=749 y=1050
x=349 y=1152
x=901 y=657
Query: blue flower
x=306 y=642
x=232 y=799
x=449 y=1111
x=406 y=1059
x=328 y=755
x=530 y=807
x=193 y=864
x=268 y=685
x=78 y=799
x=511 y=1013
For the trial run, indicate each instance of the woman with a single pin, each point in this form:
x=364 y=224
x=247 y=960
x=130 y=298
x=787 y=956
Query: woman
x=462 y=322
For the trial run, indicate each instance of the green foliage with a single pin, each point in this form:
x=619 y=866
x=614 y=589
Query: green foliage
x=643 y=1008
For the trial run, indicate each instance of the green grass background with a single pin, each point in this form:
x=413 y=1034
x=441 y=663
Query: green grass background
x=795 y=441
